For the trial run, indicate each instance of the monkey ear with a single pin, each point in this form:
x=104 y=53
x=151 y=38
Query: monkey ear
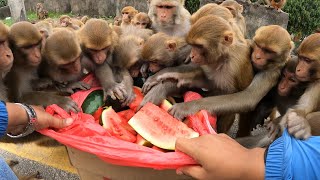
x=171 y=45
x=227 y=38
x=241 y=9
x=141 y=42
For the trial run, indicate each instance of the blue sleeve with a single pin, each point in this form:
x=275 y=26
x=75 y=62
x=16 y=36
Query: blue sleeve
x=5 y=171
x=3 y=119
x=290 y=158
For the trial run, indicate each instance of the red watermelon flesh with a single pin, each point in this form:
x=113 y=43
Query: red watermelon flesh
x=201 y=122
x=126 y=114
x=160 y=128
x=139 y=97
x=114 y=124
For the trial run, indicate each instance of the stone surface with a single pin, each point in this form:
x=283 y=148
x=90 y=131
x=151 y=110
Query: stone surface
x=257 y=15
x=4 y=12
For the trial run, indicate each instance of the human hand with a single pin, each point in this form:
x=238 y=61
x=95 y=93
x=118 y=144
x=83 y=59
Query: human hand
x=220 y=157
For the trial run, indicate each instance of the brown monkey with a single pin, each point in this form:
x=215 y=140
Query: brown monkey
x=236 y=9
x=117 y=21
x=84 y=19
x=65 y=21
x=271 y=49
x=142 y=21
x=307 y=70
x=277 y=4
x=45 y=28
x=128 y=13
x=97 y=42
x=77 y=22
x=222 y=65
x=223 y=12
x=170 y=17
x=6 y=57
x=41 y=12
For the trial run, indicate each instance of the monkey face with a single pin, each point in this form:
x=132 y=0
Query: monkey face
x=32 y=54
x=166 y=12
x=306 y=68
x=125 y=17
x=155 y=67
x=141 y=24
x=260 y=56
x=198 y=55
x=287 y=83
x=65 y=22
x=98 y=56
x=6 y=57
x=72 y=68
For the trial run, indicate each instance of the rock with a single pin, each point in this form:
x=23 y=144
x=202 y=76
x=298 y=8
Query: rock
x=5 y=12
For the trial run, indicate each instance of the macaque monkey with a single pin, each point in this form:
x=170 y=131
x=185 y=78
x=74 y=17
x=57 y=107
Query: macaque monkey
x=128 y=13
x=170 y=17
x=45 y=28
x=84 y=19
x=77 y=22
x=65 y=21
x=117 y=21
x=41 y=12
x=236 y=9
x=307 y=70
x=97 y=42
x=6 y=57
x=277 y=4
x=142 y=21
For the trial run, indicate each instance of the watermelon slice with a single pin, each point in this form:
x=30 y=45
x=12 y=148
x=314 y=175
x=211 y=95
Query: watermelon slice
x=165 y=105
x=139 y=97
x=93 y=101
x=97 y=114
x=160 y=128
x=116 y=126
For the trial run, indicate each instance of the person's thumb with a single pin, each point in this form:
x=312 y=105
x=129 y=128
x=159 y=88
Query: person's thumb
x=196 y=172
x=60 y=123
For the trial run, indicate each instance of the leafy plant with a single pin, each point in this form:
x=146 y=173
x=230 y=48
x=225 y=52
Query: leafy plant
x=192 y=5
x=3 y=3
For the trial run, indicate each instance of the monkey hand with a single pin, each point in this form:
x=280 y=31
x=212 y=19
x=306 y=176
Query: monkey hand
x=117 y=91
x=131 y=96
x=182 y=110
x=75 y=85
x=152 y=97
x=298 y=126
x=151 y=81
x=144 y=70
x=68 y=104
x=41 y=84
x=274 y=130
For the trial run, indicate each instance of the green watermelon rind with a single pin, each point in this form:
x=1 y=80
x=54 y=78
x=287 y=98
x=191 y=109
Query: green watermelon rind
x=161 y=142
x=93 y=101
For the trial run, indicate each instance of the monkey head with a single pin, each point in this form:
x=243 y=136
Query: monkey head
x=234 y=7
x=288 y=81
x=211 y=9
x=271 y=49
x=45 y=28
x=62 y=53
x=128 y=13
x=117 y=21
x=39 y=5
x=209 y=45
x=166 y=12
x=159 y=50
x=6 y=55
x=84 y=19
x=65 y=20
x=97 y=40
x=308 y=68
x=141 y=20
x=25 y=41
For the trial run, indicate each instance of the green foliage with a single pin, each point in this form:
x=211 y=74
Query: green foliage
x=192 y=5
x=304 y=16
x=3 y=3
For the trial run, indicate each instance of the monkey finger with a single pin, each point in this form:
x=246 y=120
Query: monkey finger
x=119 y=93
x=86 y=86
x=302 y=134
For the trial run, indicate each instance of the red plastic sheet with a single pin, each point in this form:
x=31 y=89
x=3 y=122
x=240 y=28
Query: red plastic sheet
x=86 y=135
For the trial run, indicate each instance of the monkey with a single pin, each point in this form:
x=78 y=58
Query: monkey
x=221 y=11
x=142 y=21
x=12 y=164
x=6 y=57
x=307 y=70
x=271 y=48
x=41 y=12
x=170 y=17
x=84 y=19
x=45 y=28
x=277 y=4
x=65 y=21
x=128 y=13
x=98 y=41
x=236 y=9
x=117 y=21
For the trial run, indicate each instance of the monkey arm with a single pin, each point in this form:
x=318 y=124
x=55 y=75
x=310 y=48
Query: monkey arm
x=127 y=81
x=309 y=101
x=105 y=75
x=242 y=101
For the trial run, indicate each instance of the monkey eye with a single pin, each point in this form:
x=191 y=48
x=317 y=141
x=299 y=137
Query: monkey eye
x=305 y=59
x=125 y=13
x=138 y=23
x=143 y=23
x=292 y=80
